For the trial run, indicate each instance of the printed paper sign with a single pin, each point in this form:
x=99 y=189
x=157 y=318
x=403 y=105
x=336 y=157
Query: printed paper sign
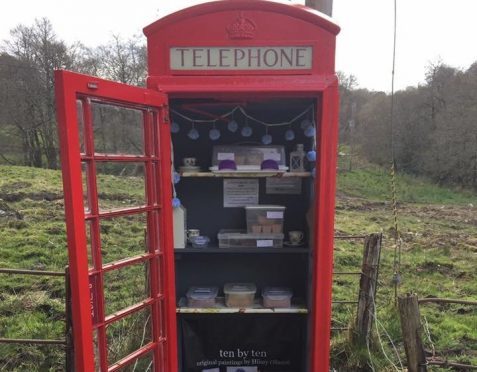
x=240 y=192
x=264 y=243
x=284 y=185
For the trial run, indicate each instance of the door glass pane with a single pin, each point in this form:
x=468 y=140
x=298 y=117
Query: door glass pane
x=120 y=185
x=80 y=118
x=117 y=130
x=122 y=237
x=128 y=335
x=125 y=287
x=86 y=198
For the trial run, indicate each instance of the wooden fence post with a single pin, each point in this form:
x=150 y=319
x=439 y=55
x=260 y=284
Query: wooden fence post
x=411 y=332
x=70 y=356
x=367 y=287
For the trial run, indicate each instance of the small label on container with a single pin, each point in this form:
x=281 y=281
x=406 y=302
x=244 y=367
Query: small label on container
x=274 y=215
x=264 y=243
x=271 y=154
x=225 y=156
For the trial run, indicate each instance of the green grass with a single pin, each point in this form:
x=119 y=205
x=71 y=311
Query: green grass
x=374 y=184
x=32 y=232
x=439 y=253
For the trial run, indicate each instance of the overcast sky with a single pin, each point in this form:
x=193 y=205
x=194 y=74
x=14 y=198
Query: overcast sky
x=428 y=30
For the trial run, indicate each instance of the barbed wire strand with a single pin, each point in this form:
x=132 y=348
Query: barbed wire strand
x=374 y=315
x=428 y=334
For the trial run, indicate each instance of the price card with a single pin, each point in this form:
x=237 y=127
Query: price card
x=225 y=156
x=264 y=243
x=271 y=215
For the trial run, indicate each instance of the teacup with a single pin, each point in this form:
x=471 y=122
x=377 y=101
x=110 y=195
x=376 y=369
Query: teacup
x=192 y=233
x=295 y=237
x=189 y=162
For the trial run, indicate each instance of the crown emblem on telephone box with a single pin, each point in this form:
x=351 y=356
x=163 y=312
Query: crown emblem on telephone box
x=242 y=28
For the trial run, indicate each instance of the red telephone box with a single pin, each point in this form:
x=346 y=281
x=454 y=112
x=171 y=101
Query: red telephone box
x=264 y=65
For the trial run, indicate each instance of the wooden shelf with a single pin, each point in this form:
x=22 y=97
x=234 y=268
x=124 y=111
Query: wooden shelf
x=253 y=250
x=222 y=309
x=246 y=174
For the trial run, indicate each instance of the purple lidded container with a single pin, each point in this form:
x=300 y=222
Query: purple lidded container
x=269 y=165
x=227 y=165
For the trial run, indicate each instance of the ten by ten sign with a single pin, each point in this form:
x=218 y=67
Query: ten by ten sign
x=241 y=58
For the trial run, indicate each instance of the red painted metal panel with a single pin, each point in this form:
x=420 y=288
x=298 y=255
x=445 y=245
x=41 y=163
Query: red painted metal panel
x=88 y=284
x=324 y=229
x=163 y=147
x=274 y=24
x=277 y=86
x=75 y=228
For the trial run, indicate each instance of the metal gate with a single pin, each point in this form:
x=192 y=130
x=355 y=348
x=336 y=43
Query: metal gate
x=115 y=152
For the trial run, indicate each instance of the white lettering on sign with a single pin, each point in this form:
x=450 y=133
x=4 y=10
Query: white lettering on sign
x=241 y=58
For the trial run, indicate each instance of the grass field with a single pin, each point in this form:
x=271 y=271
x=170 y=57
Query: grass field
x=439 y=255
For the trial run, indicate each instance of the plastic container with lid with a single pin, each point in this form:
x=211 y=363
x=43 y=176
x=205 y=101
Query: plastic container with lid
x=277 y=297
x=230 y=238
x=239 y=294
x=265 y=218
x=248 y=158
x=201 y=296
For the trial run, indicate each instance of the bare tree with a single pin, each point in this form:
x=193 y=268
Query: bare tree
x=122 y=60
x=38 y=51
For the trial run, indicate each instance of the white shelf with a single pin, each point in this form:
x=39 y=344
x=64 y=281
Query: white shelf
x=220 y=308
x=246 y=174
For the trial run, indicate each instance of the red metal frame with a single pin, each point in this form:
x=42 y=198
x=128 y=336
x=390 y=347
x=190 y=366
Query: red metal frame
x=87 y=284
x=276 y=24
x=324 y=213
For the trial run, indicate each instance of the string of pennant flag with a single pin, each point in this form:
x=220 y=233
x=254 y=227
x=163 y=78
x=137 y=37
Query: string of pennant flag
x=307 y=124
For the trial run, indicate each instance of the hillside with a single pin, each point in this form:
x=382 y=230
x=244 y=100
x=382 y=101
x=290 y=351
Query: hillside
x=439 y=254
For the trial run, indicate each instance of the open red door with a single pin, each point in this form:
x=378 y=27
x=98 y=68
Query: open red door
x=116 y=163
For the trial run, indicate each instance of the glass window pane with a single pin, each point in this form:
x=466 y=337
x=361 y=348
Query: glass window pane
x=80 y=117
x=120 y=185
x=122 y=237
x=117 y=130
x=125 y=287
x=128 y=335
x=84 y=176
